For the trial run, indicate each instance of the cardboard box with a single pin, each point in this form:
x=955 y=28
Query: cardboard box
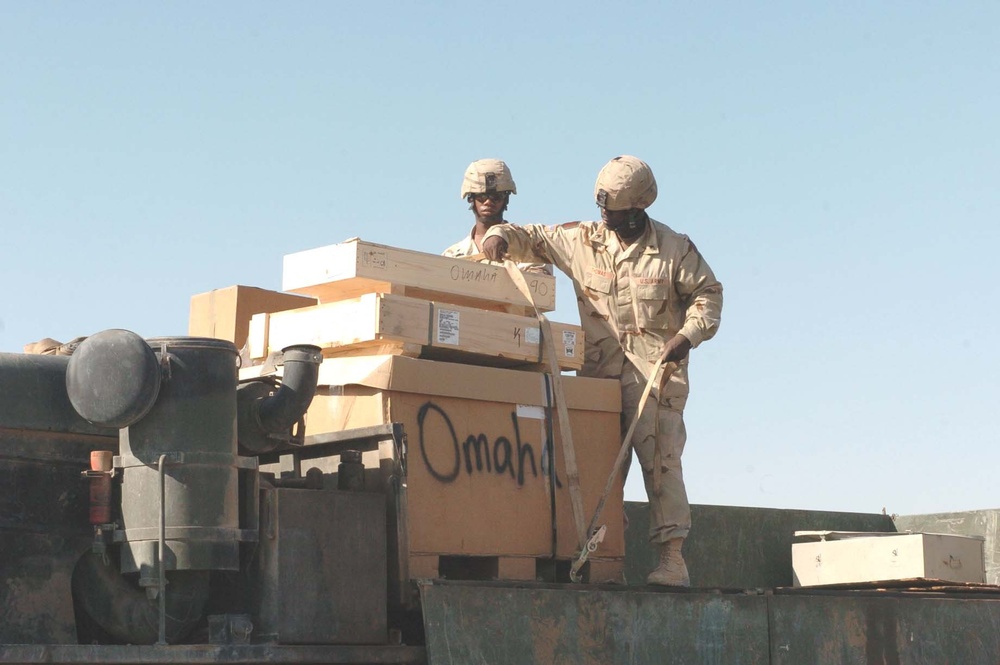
x=476 y=467
x=354 y=268
x=441 y=330
x=850 y=557
x=226 y=313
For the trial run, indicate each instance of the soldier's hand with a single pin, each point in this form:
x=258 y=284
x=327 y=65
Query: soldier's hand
x=495 y=248
x=677 y=348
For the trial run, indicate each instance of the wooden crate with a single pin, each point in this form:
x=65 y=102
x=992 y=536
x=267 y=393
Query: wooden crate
x=384 y=323
x=847 y=557
x=355 y=267
x=226 y=313
x=476 y=481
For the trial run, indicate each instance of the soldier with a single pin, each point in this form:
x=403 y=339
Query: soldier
x=644 y=291
x=487 y=187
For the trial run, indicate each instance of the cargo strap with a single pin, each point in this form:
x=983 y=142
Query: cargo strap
x=566 y=435
x=597 y=533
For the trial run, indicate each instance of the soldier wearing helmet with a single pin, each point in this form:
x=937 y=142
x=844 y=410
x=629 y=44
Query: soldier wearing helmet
x=644 y=293
x=487 y=187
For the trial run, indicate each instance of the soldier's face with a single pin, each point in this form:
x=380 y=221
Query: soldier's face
x=615 y=218
x=489 y=206
x=627 y=224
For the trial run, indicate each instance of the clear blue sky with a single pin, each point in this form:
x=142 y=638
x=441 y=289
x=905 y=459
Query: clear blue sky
x=838 y=164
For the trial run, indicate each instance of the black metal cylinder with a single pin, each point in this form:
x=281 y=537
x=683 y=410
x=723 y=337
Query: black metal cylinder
x=351 y=471
x=192 y=424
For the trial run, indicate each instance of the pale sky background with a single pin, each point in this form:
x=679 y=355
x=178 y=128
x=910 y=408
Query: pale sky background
x=838 y=165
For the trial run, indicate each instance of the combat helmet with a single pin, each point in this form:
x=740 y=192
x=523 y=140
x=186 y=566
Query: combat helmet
x=485 y=176
x=624 y=183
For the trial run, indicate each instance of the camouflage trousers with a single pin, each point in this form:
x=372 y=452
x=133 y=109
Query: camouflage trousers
x=658 y=442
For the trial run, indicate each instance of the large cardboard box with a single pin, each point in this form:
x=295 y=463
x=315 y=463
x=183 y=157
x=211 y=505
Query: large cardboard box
x=850 y=557
x=417 y=328
x=226 y=313
x=477 y=471
x=356 y=267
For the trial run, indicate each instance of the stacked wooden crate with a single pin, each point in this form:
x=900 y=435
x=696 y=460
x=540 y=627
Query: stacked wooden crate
x=441 y=346
x=379 y=299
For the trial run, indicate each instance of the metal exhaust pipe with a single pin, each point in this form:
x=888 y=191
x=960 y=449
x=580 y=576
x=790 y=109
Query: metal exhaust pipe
x=265 y=419
x=126 y=612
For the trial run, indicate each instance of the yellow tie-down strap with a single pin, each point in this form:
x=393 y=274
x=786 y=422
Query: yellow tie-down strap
x=566 y=434
x=589 y=537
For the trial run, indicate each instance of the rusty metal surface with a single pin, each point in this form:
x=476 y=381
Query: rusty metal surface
x=44 y=527
x=889 y=629
x=502 y=622
x=36 y=600
x=192 y=655
x=320 y=572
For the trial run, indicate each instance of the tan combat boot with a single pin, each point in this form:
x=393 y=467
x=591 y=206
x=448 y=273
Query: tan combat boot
x=672 y=570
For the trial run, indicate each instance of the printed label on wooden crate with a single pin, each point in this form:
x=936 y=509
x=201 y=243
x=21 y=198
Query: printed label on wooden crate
x=448 y=327
x=569 y=343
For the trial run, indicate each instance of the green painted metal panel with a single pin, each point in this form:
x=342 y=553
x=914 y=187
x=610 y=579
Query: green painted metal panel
x=889 y=629
x=735 y=547
x=485 y=623
x=205 y=654
x=985 y=523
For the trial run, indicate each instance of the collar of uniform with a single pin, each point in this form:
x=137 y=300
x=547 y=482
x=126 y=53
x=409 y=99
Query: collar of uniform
x=472 y=238
x=647 y=243
x=600 y=235
x=650 y=238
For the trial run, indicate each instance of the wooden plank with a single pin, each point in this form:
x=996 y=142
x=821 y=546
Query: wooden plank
x=423 y=567
x=383 y=323
x=346 y=270
x=257 y=339
x=503 y=335
x=513 y=568
x=607 y=571
x=371 y=318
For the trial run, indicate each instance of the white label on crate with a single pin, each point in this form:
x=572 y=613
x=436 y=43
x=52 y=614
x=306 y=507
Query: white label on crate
x=530 y=411
x=447 y=327
x=569 y=342
x=532 y=335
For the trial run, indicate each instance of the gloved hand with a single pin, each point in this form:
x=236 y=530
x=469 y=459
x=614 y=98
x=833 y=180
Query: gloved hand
x=495 y=248
x=677 y=348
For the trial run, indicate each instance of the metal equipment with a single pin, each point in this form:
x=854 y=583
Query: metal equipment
x=144 y=519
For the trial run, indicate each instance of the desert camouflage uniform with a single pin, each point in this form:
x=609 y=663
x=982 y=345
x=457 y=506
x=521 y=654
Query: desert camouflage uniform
x=632 y=301
x=467 y=247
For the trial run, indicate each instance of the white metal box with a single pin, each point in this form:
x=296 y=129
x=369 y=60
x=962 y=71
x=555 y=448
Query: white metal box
x=849 y=557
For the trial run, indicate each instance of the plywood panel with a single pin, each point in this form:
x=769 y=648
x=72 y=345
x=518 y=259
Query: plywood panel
x=477 y=470
x=349 y=269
